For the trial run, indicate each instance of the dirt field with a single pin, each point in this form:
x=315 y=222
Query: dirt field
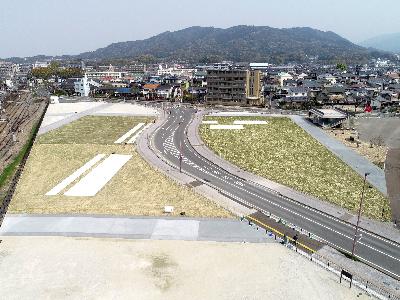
x=385 y=129
x=283 y=152
x=375 y=154
x=137 y=189
x=86 y=268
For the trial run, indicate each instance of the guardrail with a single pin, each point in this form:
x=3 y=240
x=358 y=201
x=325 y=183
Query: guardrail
x=381 y=292
x=372 y=288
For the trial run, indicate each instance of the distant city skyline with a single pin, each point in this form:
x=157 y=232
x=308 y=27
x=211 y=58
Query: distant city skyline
x=59 y=27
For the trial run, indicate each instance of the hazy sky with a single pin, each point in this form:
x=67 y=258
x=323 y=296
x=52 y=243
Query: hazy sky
x=53 y=27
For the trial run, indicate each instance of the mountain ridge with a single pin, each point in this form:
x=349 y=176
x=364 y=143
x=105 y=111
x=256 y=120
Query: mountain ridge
x=241 y=43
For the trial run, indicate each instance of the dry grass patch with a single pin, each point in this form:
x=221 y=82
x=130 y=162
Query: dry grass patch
x=92 y=130
x=137 y=189
x=283 y=152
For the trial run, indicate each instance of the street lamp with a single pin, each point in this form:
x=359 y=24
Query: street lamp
x=359 y=214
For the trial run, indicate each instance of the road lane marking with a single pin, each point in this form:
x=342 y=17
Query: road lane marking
x=263 y=199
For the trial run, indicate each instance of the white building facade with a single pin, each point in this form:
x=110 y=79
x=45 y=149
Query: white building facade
x=82 y=87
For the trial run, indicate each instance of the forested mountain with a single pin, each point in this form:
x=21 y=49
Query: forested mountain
x=240 y=44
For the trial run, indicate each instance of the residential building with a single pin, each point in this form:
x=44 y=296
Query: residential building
x=41 y=64
x=226 y=86
x=82 y=87
x=254 y=90
x=328 y=78
x=105 y=75
x=327 y=118
x=283 y=76
x=235 y=86
x=149 y=91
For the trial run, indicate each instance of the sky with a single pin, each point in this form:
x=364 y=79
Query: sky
x=56 y=27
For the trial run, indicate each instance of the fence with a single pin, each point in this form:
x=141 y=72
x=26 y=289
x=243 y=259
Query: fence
x=378 y=290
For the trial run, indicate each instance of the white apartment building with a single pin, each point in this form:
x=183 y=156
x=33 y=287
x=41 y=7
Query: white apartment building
x=82 y=87
x=104 y=75
x=40 y=64
x=175 y=70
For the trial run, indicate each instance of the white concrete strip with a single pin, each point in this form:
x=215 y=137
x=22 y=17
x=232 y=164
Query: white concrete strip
x=67 y=181
x=249 y=122
x=226 y=127
x=99 y=176
x=209 y=122
x=178 y=229
x=133 y=139
x=129 y=133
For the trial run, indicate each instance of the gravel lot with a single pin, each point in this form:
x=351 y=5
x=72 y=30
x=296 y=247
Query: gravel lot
x=90 y=268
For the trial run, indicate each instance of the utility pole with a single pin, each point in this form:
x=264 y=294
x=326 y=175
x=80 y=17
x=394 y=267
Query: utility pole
x=359 y=214
x=180 y=157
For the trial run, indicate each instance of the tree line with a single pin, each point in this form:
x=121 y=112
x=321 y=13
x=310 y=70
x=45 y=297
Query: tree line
x=55 y=70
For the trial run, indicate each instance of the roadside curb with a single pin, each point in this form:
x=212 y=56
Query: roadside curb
x=144 y=148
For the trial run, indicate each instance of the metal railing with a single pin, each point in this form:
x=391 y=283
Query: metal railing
x=378 y=290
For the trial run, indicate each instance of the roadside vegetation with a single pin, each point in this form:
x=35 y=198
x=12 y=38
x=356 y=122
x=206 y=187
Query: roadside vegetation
x=10 y=170
x=283 y=152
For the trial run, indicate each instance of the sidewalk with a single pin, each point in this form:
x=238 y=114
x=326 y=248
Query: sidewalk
x=69 y=117
x=358 y=163
x=384 y=229
x=163 y=228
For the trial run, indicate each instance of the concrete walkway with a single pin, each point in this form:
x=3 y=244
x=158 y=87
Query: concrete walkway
x=358 y=163
x=221 y=230
x=68 y=119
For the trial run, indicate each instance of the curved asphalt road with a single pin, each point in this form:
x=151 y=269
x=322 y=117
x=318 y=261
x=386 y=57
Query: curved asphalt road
x=171 y=139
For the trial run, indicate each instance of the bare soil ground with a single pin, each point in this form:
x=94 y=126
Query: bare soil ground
x=386 y=130
x=94 y=268
x=374 y=153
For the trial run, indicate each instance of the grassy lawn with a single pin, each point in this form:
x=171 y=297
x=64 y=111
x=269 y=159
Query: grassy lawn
x=137 y=189
x=283 y=152
x=92 y=129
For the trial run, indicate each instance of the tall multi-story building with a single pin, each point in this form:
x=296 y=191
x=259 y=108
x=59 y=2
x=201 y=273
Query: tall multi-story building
x=234 y=87
x=254 y=90
x=82 y=87
x=7 y=69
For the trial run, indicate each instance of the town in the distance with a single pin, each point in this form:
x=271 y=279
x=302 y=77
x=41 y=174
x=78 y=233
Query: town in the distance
x=205 y=163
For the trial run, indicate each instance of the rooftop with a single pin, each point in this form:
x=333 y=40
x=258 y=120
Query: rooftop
x=328 y=113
